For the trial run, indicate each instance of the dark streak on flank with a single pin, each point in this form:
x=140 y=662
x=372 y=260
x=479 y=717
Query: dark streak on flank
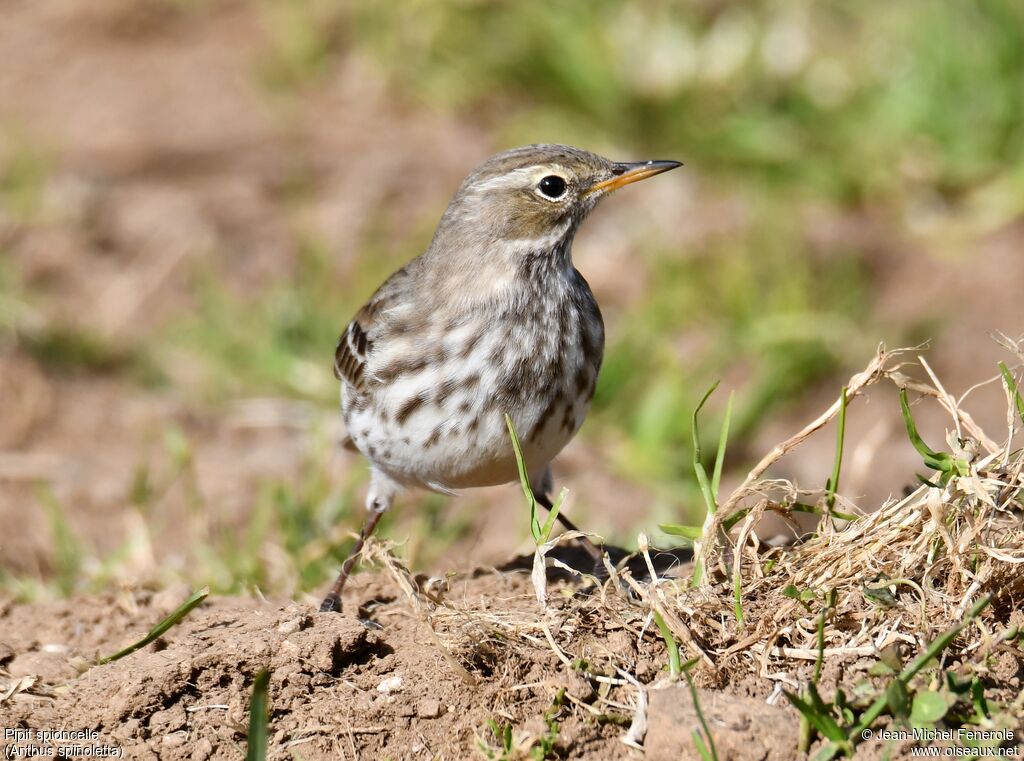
x=444 y=391
x=582 y=379
x=567 y=419
x=435 y=436
x=467 y=349
x=408 y=407
x=542 y=421
x=399 y=328
x=390 y=372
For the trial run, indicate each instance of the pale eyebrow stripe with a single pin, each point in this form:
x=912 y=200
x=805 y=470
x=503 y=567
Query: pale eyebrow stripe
x=516 y=176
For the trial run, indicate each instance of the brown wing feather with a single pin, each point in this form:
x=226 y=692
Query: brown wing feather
x=356 y=344
x=350 y=355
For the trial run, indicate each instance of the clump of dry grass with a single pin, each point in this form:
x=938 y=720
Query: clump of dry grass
x=899 y=575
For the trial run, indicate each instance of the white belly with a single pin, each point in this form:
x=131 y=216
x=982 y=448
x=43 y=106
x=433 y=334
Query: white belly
x=443 y=426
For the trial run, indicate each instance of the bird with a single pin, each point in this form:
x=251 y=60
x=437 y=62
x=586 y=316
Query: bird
x=493 y=319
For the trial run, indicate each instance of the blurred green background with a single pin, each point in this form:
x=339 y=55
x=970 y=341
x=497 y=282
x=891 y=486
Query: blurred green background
x=195 y=196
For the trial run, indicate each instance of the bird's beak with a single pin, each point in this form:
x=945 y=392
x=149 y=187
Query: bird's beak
x=624 y=174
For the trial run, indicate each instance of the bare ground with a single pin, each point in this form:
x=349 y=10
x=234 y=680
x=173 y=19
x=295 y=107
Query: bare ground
x=379 y=686
x=428 y=668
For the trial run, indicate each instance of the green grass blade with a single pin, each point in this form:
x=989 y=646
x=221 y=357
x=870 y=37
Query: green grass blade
x=705 y=487
x=735 y=518
x=695 y=428
x=737 y=599
x=524 y=479
x=179 y=613
x=545 y=530
x=981 y=709
x=259 y=713
x=671 y=645
x=700 y=715
x=827 y=752
x=830 y=727
x=804 y=735
x=833 y=482
x=723 y=438
x=941 y=642
x=821 y=648
x=803 y=706
x=68 y=550
x=698 y=573
x=910 y=671
x=1011 y=386
x=814 y=710
x=934 y=460
x=677 y=529
x=698 y=466
x=702 y=749
x=802 y=507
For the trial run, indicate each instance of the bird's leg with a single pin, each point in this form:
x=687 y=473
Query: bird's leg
x=332 y=602
x=588 y=545
x=379 y=498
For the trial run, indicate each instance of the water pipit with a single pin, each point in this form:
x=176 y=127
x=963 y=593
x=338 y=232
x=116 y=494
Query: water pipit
x=492 y=319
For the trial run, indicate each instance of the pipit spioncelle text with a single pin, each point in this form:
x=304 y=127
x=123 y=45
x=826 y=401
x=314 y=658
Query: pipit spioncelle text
x=492 y=319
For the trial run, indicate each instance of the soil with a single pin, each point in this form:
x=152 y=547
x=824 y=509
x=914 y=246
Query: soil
x=369 y=683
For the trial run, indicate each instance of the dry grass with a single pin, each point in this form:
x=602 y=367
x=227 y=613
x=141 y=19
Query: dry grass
x=897 y=577
x=930 y=555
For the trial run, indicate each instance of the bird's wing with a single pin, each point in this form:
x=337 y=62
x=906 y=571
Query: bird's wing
x=355 y=346
x=350 y=355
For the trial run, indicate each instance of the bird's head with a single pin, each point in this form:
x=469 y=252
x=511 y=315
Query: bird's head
x=529 y=201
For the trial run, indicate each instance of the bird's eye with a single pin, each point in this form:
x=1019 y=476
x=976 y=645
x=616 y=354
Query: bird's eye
x=552 y=187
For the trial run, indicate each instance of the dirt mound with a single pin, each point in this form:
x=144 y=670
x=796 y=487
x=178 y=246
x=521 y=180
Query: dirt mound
x=379 y=684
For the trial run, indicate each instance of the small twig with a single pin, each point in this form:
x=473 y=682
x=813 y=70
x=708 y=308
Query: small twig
x=634 y=736
x=811 y=653
x=871 y=374
x=875 y=370
x=947 y=401
x=554 y=647
x=401 y=577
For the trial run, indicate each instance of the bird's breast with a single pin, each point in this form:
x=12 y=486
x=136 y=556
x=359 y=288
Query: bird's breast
x=434 y=412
